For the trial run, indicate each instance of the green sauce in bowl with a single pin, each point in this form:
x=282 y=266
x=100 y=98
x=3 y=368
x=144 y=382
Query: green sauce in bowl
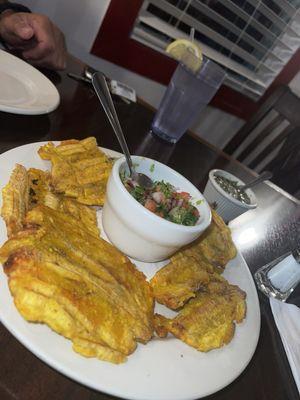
x=232 y=188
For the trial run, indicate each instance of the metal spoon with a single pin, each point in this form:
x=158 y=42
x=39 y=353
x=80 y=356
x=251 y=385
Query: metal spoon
x=89 y=72
x=102 y=91
x=296 y=255
x=263 y=177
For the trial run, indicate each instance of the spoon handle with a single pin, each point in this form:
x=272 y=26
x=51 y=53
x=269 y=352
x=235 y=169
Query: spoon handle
x=102 y=91
x=263 y=177
x=296 y=255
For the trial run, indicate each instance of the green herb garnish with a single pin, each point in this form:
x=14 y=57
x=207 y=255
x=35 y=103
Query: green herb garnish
x=166 y=188
x=138 y=193
x=152 y=167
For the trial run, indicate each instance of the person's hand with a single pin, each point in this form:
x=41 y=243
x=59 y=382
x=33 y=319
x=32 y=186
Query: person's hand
x=40 y=42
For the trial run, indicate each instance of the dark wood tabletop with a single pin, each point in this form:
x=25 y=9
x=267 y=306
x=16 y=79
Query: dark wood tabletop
x=274 y=228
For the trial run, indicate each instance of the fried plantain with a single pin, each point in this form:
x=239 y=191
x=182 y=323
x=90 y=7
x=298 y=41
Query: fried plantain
x=207 y=321
x=79 y=285
x=40 y=192
x=174 y=284
x=193 y=267
x=15 y=196
x=79 y=169
x=215 y=245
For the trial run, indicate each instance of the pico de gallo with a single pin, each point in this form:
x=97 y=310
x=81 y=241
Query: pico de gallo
x=163 y=200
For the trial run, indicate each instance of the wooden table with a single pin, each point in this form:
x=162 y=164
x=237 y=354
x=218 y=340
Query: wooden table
x=260 y=235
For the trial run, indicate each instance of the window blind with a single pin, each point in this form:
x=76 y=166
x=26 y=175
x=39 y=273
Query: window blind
x=252 y=39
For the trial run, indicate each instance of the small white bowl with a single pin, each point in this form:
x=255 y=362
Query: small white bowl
x=138 y=232
x=226 y=206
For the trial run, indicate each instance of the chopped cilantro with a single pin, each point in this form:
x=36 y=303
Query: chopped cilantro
x=166 y=188
x=162 y=209
x=183 y=216
x=138 y=193
x=152 y=167
x=189 y=219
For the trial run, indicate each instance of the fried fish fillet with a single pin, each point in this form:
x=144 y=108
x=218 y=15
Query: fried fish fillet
x=15 y=196
x=79 y=169
x=40 y=193
x=81 y=286
x=193 y=267
x=207 y=321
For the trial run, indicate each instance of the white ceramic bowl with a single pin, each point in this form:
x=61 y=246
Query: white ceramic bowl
x=226 y=206
x=138 y=232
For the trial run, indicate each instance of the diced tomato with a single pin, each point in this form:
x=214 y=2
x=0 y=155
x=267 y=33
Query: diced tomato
x=184 y=195
x=150 y=205
x=196 y=212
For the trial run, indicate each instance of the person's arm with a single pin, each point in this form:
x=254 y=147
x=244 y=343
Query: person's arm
x=40 y=41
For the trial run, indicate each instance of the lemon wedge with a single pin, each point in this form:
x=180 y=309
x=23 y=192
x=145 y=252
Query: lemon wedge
x=186 y=51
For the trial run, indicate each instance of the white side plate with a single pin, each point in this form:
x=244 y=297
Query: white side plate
x=163 y=369
x=24 y=89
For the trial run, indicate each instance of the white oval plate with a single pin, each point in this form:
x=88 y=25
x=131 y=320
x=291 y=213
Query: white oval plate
x=24 y=89
x=163 y=369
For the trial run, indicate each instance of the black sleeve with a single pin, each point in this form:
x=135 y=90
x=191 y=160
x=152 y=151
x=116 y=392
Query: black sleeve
x=13 y=6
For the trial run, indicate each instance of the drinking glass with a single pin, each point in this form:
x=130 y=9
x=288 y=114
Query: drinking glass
x=187 y=94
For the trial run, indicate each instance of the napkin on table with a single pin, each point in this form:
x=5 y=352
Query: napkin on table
x=287 y=318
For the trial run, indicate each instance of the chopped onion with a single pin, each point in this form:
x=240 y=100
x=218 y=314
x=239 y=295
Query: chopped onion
x=158 y=197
